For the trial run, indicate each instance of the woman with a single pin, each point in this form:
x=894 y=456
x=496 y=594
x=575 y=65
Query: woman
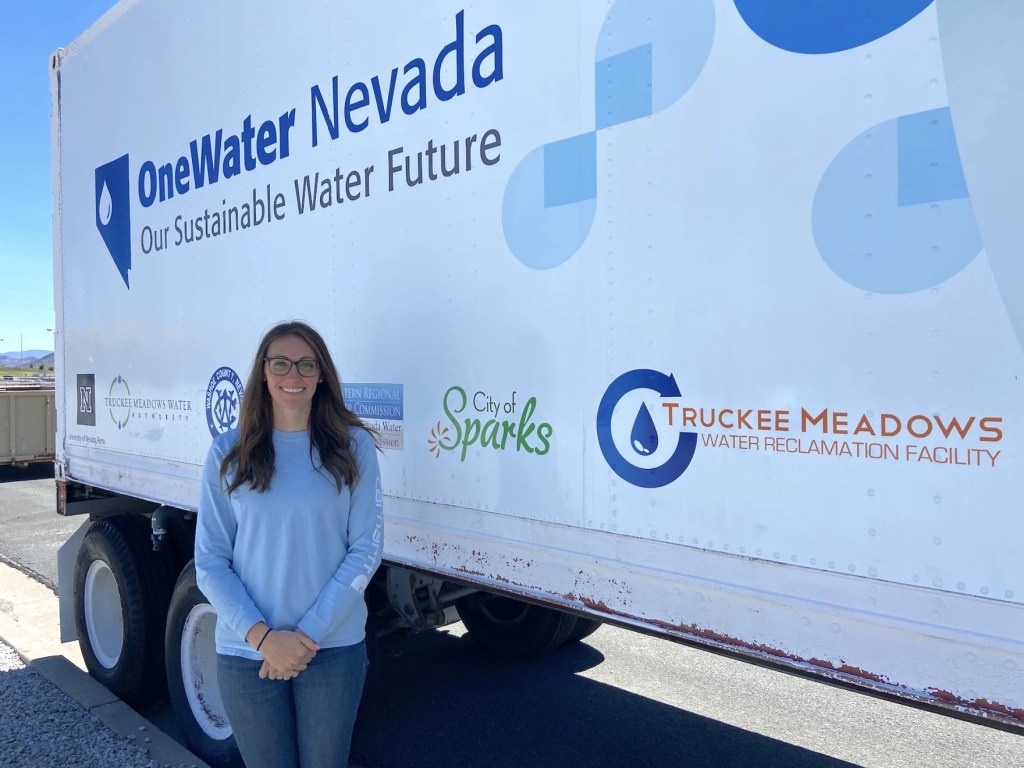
x=289 y=533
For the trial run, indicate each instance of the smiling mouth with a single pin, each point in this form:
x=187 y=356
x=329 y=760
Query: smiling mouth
x=292 y=391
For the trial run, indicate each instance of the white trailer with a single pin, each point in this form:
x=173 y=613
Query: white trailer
x=704 y=318
x=27 y=423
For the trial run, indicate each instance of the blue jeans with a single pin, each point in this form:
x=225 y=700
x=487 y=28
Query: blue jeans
x=305 y=722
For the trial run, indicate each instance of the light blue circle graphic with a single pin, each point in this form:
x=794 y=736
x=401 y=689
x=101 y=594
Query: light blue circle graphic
x=892 y=214
x=543 y=236
x=649 y=53
x=826 y=26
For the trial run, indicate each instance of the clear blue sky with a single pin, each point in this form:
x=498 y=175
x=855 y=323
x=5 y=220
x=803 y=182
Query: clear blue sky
x=32 y=30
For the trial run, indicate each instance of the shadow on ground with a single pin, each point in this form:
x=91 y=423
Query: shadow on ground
x=436 y=701
x=37 y=471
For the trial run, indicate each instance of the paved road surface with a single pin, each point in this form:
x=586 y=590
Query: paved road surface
x=31 y=531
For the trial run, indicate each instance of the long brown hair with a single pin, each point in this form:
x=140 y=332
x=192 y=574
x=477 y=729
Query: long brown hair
x=330 y=422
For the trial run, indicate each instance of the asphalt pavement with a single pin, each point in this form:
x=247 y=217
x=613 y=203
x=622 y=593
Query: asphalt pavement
x=31 y=531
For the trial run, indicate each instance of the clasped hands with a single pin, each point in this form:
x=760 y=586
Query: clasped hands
x=286 y=653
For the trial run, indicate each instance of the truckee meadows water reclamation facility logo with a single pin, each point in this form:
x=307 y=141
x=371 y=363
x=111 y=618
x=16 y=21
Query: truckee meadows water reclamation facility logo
x=641 y=467
x=113 y=213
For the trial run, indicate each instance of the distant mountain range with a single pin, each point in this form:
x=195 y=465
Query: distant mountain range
x=42 y=357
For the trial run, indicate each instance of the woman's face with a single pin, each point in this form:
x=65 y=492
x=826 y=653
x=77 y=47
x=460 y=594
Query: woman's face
x=291 y=392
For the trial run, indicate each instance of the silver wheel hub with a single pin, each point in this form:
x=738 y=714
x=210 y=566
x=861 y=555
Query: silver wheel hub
x=104 y=620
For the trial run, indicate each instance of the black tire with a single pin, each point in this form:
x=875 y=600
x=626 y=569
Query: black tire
x=513 y=629
x=584 y=628
x=191 y=661
x=121 y=592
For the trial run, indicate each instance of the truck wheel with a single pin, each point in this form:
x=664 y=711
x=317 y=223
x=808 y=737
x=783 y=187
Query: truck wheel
x=514 y=629
x=121 y=591
x=192 y=674
x=584 y=628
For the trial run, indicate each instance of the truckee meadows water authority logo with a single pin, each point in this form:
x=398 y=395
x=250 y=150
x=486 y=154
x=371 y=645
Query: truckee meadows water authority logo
x=113 y=213
x=643 y=433
x=223 y=400
x=119 y=402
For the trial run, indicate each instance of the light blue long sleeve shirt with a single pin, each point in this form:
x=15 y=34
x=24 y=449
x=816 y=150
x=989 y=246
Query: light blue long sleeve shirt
x=299 y=555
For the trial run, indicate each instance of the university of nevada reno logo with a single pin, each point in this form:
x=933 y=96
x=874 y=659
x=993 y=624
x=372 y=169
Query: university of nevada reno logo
x=628 y=433
x=113 y=212
x=223 y=400
x=86 y=399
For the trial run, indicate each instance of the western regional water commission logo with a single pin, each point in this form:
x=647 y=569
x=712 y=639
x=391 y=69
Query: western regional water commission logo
x=223 y=401
x=113 y=213
x=628 y=418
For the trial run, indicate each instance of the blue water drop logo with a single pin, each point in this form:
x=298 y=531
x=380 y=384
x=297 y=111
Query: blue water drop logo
x=644 y=440
x=644 y=437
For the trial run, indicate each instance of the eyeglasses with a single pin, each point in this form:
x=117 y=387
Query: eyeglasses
x=280 y=366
